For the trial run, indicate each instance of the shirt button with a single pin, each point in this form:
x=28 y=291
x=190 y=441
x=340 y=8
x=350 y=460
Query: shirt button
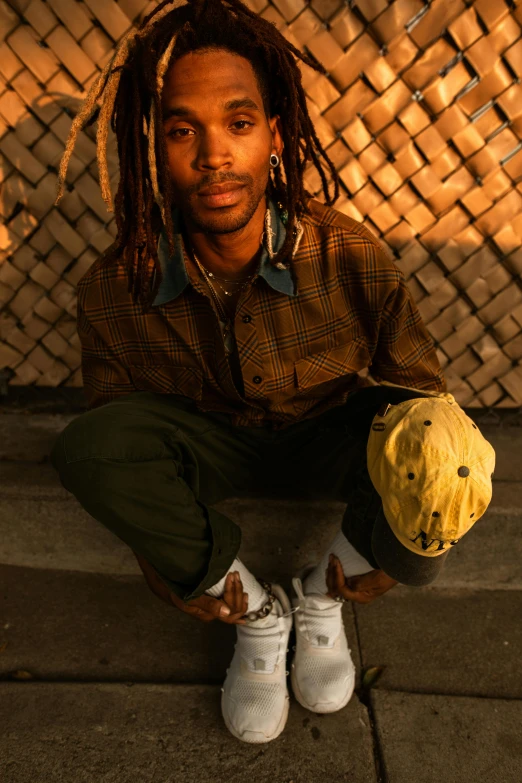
x=257 y=379
x=247 y=319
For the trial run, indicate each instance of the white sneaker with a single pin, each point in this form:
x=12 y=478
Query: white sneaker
x=255 y=698
x=322 y=673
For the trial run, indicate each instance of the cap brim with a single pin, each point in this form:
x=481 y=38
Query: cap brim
x=397 y=561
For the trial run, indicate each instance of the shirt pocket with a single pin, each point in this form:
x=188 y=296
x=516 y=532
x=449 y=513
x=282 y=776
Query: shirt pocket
x=168 y=379
x=328 y=367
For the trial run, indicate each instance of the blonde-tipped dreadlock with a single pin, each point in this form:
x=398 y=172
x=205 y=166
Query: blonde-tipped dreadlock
x=107 y=82
x=129 y=89
x=160 y=75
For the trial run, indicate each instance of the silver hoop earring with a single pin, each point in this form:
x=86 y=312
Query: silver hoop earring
x=274 y=160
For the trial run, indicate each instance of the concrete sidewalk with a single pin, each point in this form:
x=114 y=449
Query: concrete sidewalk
x=100 y=681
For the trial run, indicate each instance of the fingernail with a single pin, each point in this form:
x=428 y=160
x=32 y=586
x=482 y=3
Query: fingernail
x=224 y=611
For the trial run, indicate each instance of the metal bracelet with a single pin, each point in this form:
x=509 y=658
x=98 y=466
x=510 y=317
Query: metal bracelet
x=267 y=608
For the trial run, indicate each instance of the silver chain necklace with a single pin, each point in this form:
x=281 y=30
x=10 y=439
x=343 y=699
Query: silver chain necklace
x=210 y=276
x=241 y=283
x=269 y=233
x=224 y=317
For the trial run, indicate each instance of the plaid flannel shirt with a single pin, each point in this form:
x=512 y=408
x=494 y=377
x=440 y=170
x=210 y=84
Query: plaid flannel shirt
x=303 y=334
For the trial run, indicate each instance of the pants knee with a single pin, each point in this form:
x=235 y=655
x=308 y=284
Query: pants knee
x=104 y=433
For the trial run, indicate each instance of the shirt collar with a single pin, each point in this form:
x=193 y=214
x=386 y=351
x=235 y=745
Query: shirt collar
x=174 y=272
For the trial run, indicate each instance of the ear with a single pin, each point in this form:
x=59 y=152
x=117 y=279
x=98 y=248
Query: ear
x=277 y=133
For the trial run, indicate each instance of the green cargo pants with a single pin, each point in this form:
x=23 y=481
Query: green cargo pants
x=149 y=467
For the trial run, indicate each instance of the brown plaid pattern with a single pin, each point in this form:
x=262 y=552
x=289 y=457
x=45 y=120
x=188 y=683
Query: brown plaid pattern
x=303 y=334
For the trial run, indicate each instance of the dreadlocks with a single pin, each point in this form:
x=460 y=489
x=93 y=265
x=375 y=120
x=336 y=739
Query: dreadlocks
x=130 y=88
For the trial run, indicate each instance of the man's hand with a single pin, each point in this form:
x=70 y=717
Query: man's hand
x=205 y=607
x=362 y=589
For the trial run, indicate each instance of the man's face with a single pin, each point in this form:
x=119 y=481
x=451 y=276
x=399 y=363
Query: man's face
x=209 y=143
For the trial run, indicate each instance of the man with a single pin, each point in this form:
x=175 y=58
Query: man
x=222 y=336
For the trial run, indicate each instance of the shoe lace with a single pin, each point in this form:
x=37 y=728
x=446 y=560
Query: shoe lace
x=319 y=625
x=261 y=645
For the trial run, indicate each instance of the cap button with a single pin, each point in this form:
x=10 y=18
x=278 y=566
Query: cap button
x=463 y=471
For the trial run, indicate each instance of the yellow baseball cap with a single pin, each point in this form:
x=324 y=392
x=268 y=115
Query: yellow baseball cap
x=432 y=468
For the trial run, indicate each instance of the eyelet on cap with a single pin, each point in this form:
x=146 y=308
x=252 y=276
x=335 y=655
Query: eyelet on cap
x=427 y=423
x=411 y=476
x=435 y=514
x=472 y=515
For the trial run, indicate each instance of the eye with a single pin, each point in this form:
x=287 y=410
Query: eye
x=243 y=121
x=175 y=131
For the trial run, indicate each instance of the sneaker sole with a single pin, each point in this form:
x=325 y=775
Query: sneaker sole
x=324 y=710
x=256 y=737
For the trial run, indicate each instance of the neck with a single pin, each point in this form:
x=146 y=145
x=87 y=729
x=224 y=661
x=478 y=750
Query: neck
x=231 y=256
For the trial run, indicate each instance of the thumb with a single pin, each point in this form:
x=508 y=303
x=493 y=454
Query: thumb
x=213 y=606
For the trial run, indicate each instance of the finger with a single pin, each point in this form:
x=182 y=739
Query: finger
x=232 y=597
x=329 y=578
x=230 y=590
x=199 y=614
x=234 y=612
x=238 y=621
x=333 y=575
x=213 y=606
x=332 y=566
x=330 y=582
x=236 y=618
x=340 y=579
x=238 y=598
x=238 y=594
x=335 y=579
x=228 y=593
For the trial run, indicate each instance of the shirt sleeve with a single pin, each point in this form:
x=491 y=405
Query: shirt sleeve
x=405 y=352
x=104 y=377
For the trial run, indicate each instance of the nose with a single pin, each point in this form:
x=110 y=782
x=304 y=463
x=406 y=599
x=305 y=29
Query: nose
x=213 y=150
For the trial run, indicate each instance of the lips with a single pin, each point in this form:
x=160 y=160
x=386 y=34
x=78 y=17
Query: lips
x=216 y=190
x=228 y=195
